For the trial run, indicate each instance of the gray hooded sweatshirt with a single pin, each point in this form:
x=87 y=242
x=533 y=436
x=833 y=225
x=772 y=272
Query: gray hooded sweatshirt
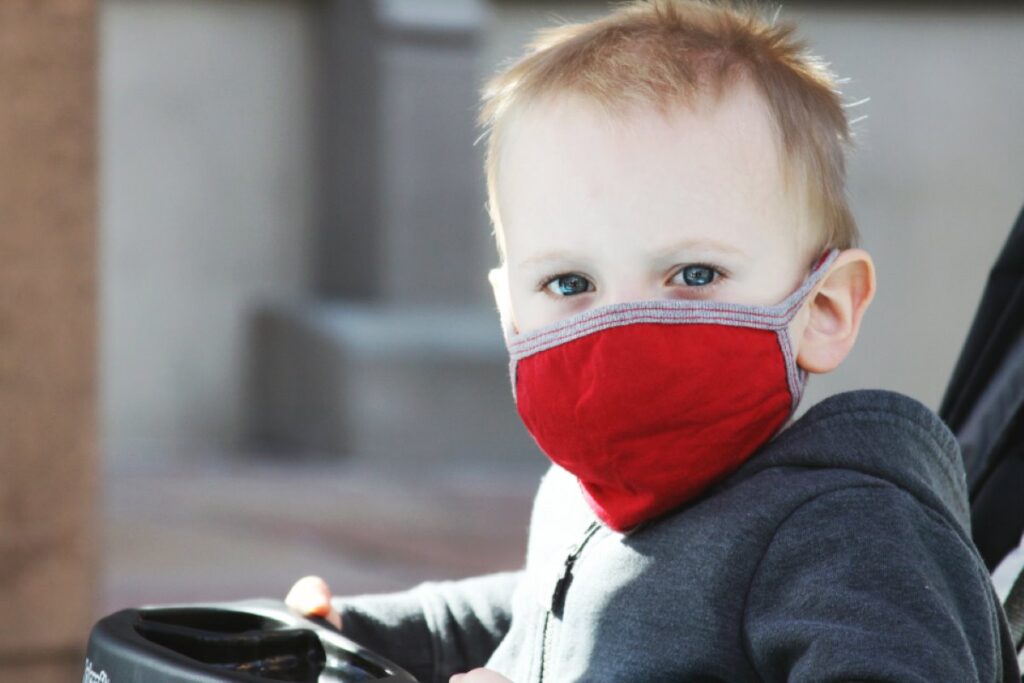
x=840 y=551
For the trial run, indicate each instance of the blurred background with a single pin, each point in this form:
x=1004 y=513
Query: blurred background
x=245 y=328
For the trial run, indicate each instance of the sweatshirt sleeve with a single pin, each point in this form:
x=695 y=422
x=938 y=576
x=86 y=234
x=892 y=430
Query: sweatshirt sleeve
x=435 y=629
x=866 y=583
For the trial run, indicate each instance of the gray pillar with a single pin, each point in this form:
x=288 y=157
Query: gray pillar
x=401 y=357
x=403 y=203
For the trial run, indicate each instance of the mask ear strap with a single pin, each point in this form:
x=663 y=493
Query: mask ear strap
x=791 y=304
x=828 y=255
x=796 y=376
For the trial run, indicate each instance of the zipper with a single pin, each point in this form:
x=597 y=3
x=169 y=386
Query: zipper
x=545 y=647
x=557 y=604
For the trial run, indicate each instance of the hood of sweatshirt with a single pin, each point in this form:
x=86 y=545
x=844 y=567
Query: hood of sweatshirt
x=881 y=434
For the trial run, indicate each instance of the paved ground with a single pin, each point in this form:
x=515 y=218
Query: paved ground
x=241 y=529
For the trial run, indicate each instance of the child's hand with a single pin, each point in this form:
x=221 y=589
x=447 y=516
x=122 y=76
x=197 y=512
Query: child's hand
x=311 y=597
x=479 y=676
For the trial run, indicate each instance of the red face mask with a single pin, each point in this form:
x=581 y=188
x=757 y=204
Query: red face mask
x=649 y=403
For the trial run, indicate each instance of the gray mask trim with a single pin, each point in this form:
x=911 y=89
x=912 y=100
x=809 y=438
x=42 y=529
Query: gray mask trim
x=676 y=311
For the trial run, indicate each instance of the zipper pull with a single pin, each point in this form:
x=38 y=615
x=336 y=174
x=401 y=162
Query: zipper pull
x=562 y=587
x=565 y=575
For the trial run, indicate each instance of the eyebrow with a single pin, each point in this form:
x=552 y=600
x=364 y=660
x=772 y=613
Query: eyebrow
x=700 y=245
x=546 y=257
x=668 y=250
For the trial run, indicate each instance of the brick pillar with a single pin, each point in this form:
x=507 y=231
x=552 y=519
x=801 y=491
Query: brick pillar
x=47 y=336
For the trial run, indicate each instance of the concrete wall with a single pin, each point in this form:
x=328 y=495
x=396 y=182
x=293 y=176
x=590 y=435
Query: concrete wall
x=936 y=182
x=209 y=169
x=938 y=179
x=207 y=208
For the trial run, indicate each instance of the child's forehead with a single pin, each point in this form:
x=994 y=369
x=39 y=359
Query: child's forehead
x=707 y=173
x=731 y=130
x=569 y=139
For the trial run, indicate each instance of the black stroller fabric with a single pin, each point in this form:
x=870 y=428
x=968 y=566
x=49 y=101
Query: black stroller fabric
x=984 y=405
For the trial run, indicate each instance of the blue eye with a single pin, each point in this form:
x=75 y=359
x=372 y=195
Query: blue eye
x=698 y=275
x=569 y=284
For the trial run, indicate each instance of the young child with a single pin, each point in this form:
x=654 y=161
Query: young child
x=667 y=189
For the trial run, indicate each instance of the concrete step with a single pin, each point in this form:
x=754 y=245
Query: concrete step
x=426 y=385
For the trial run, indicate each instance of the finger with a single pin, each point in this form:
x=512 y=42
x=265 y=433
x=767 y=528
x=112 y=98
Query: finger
x=479 y=675
x=310 y=596
x=333 y=617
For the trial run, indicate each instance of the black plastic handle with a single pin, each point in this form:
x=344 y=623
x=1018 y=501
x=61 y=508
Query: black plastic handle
x=252 y=640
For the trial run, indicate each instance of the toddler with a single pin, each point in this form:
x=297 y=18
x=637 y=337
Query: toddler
x=666 y=185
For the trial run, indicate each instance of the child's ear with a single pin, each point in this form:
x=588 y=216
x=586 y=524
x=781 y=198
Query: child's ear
x=498 y=278
x=827 y=327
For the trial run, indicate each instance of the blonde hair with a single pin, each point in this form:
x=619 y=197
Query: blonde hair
x=661 y=52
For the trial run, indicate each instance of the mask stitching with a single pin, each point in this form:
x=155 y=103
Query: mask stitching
x=522 y=351
x=794 y=377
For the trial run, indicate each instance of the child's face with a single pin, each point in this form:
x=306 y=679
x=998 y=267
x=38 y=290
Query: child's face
x=599 y=210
